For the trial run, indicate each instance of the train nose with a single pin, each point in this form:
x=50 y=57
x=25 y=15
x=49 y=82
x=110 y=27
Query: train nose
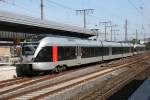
x=27 y=59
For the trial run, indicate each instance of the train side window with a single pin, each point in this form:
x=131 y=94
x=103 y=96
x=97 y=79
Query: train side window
x=100 y=51
x=127 y=49
x=120 y=50
x=132 y=49
x=116 y=50
x=45 y=55
x=105 y=51
x=91 y=52
x=113 y=50
x=96 y=52
x=85 y=52
x=66 y=53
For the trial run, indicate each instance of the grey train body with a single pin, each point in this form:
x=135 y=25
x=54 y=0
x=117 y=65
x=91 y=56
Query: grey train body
x=50 y=52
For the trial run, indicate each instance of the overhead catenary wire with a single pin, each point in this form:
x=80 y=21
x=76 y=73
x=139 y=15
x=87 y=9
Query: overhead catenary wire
x=61 y=5
x=18 y=6
x=141 y=13
x=21 y=7
x=48 y=2
x=70 y=8
x=133 y=5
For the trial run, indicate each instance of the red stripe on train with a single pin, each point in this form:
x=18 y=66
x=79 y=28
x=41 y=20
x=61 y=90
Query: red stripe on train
x=55 y=53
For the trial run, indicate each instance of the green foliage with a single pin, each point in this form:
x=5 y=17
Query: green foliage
x=147 y=45
x=135 y=41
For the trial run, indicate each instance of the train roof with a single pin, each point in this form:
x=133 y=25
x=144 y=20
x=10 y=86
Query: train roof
x=139 y=45
x=111 y=44
x=127 y=44
x=70 y=41
x=67 y=41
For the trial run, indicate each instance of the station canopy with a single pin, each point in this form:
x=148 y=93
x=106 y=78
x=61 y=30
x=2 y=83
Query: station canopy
x=16 y=24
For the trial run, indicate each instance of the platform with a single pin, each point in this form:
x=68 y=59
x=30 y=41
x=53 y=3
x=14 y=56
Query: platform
x=143 y=92
x=7 y=72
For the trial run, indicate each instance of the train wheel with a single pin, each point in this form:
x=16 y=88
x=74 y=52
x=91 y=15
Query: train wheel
x=64 y=67
x=56 y=69
x=60 y=68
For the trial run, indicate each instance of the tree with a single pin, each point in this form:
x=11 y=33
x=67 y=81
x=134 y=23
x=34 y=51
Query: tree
x=147 y=45
x=135 y=41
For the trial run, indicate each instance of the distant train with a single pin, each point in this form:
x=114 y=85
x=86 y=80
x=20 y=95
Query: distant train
x=58 y=53
x=138 y=48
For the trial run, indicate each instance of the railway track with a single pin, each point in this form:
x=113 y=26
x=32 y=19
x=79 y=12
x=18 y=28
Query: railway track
x=21 y=80
x=44 y=86
x=116 y=83
x=111 y=64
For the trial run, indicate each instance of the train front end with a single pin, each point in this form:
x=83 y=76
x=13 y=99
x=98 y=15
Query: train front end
x=26 y=58
x=28 y=50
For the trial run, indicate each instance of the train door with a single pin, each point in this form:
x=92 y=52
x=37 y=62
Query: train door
x=79 y=54
x=110 y=52
x=122 y=46
x=101 y=50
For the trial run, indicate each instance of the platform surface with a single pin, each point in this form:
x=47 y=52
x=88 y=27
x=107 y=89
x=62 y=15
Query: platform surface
x=143 y=92
x=7 y=72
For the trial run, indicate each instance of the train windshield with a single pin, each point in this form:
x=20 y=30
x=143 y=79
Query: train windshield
x=29 y=48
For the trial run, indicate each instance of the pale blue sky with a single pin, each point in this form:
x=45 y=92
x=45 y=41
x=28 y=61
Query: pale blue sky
x=115 y=10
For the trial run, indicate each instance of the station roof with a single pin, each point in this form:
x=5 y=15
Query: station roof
x=20 y=23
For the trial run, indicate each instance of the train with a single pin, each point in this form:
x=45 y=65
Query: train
x=56 y=53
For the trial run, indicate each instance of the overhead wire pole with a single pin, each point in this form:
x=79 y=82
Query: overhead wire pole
x=96 y=31
x=84 y=12
x=111 y=29
x=136 y=35
x=42 y=10
x=144 y=37
x=105 y=26
x=126 y=30
x=115 y=33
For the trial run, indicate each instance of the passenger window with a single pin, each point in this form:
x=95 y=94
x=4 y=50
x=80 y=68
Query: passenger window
x=91 y=52
x=66 y=53
x=105 y=51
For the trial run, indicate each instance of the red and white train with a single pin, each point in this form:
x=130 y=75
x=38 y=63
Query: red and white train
x=57 y=53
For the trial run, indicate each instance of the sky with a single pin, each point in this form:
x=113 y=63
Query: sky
x=136 y=12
